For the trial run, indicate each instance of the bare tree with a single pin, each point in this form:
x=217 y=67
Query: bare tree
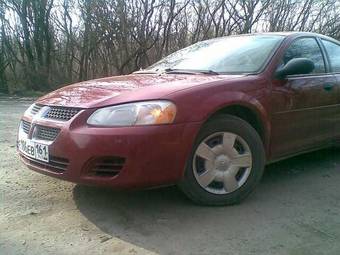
x=48 y=43
x=3 y=60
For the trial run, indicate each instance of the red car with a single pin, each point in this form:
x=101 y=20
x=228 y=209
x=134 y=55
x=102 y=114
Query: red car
x=208 y=117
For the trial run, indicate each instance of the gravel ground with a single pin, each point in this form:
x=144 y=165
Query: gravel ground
x=295 y=210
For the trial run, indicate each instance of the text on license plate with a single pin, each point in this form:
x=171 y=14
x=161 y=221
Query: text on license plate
x=33 y=149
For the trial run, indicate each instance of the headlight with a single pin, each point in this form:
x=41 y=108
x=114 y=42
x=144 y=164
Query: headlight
x=140 y=113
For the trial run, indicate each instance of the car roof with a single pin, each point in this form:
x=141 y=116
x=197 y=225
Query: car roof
x=288 y=34
x=294 y=34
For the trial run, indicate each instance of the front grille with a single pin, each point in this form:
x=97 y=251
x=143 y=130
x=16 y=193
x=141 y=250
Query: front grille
x=36 y=108
x=61 y=113
x=26 y=126
x=41 y=132
x=46 y=133
x=106 y=166
x=55 y=164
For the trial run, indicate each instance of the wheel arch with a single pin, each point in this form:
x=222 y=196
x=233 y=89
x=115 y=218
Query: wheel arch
x=253 y=114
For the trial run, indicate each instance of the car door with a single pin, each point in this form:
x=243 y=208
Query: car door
x=303 y=105
x=332 y=49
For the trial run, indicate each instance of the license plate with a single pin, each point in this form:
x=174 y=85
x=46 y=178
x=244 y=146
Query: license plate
x=33 y=149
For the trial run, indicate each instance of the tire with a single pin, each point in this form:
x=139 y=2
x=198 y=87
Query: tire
x=235 y=170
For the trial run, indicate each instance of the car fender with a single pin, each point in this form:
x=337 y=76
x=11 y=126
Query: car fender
x=210 y=105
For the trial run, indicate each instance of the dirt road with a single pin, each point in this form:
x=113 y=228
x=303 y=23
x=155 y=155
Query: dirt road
x=295 y=210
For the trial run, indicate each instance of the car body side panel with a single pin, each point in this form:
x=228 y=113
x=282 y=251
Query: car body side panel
x=336 y=110
x=302 y=110
x=251 y=92
x=302 y=114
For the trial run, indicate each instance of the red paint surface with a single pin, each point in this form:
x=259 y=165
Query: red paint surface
x=296 y=114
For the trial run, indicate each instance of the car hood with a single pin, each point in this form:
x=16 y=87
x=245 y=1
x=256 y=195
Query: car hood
x=127 y=88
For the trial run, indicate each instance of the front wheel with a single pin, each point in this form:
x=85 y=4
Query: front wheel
x=226 y=163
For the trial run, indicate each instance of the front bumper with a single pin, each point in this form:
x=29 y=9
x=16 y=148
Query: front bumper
x=153 y=155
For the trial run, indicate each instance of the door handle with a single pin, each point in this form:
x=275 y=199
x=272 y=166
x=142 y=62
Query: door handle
x=328 y=86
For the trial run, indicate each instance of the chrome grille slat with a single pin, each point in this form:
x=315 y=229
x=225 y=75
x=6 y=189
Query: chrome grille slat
x=57 y=163
x=26 y=126
x=51 y=165
x=109 y=170
x=42 y=132
x=61 y=113
x=61 y=161
x=36 y=108
x=107 y=166
x=46 y=133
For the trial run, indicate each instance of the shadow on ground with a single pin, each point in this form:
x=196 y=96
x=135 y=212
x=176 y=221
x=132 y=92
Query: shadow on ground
x=293 y=193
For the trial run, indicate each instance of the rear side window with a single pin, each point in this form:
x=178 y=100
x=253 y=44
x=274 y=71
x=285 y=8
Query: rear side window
x=306 y=48
x=333 y=51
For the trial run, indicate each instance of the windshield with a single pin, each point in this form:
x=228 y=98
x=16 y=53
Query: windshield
x=239 y=54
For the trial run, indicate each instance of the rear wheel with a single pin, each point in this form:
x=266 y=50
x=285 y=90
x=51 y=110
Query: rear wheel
x=226 y=163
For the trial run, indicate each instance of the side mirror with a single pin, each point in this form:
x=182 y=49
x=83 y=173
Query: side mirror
x=295 y=66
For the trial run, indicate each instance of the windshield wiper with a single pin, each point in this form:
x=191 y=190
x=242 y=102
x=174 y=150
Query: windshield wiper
x=176 y=71
x=208 y=72
x=188 y=71
x=145 y=71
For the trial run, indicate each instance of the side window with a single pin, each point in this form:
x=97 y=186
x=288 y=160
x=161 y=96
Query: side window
x=306 y=48
x=333 y=51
